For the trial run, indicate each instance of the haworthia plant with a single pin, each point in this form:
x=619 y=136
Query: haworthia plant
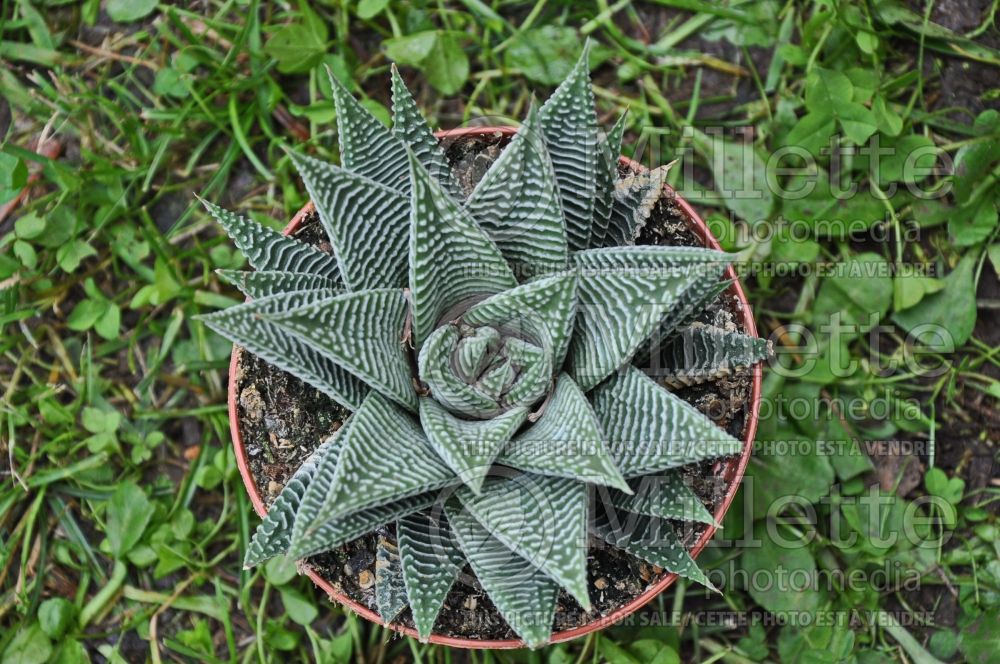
x=489 y=349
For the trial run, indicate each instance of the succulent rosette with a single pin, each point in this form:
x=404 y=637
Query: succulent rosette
x=489 y=346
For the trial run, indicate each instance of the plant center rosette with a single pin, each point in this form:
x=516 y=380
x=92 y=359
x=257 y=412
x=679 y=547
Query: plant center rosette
x=481 y=370
x=491 y=346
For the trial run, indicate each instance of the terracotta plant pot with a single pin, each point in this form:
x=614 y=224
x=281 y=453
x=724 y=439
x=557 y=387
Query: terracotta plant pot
x=730 y=471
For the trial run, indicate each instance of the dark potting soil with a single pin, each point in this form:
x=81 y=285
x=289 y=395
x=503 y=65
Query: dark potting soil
x=283 y=420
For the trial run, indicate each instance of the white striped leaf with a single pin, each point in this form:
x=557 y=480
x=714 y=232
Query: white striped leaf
x=451 y=258
x=367 y=147
x=665 y=496
x=607 y=178
x=533 y=366
x=628 y=293
x=689 y=305
x=337 y=532
x=523 y=595
x=384 y=457
x=517 y=204
x=704 y=352
x=314 y=498
x=566 y=441
x=497 y=378
x=316 y=478
x=274 y=534
x=569 y=124
x=362 y=332
x=367 y=223
x=267 y=249
x=635 y=196
x=410 y=127
x=543 y=520
x=468 y=446
x=618 y=310
x=653 y=540
x=685 y=314
x=650 y=430
x=390 y=589
x=704 y=299
x=245 y=325
x=473 y=353
x=545 y=306
x=648 y=256
x=431 y=560
x=258 y=284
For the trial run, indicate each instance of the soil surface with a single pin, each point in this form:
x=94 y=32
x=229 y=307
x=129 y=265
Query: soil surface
x=283 y=420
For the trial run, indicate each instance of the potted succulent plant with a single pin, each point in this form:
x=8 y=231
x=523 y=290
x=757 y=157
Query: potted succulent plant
x=496 y=355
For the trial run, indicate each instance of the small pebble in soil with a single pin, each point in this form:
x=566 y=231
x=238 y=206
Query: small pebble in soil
x=276 y=425
x=253 y=405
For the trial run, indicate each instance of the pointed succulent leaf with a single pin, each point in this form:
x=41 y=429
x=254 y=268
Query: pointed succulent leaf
x=473 y=353
x=569 y=124
x=651 y=430
x=618 y=310
x=705 y=352
x=691 y=303
x=517 y=204
x=274 y=534
x=410 y=127
x=267 y=249
x=627 y=294
x=647 y=256
x=362 y=332
x=685 y=314
x=533 y=377
x=497 y=378
x=635 y=196
x=245 y=325
x=337 y=532
x=390 y=589
x=367 y=147
x=333 y=533
x=665 y=496
x=384 y=457
x=431 y=560
x=524 y=596
x=704 y=299
x=468 y=446
x=543 y=520
x=325 y=534
x=314 y=496
x=607 y=177
x=653 y=540
x=545 y=306
x=566 y=441
x=451 y=258
x=367 y=223
x=264 y=283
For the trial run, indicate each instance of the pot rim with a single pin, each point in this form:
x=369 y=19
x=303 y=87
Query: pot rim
x=732 y=471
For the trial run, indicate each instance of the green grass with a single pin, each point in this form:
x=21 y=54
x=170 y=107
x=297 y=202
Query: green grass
x=122 y=516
